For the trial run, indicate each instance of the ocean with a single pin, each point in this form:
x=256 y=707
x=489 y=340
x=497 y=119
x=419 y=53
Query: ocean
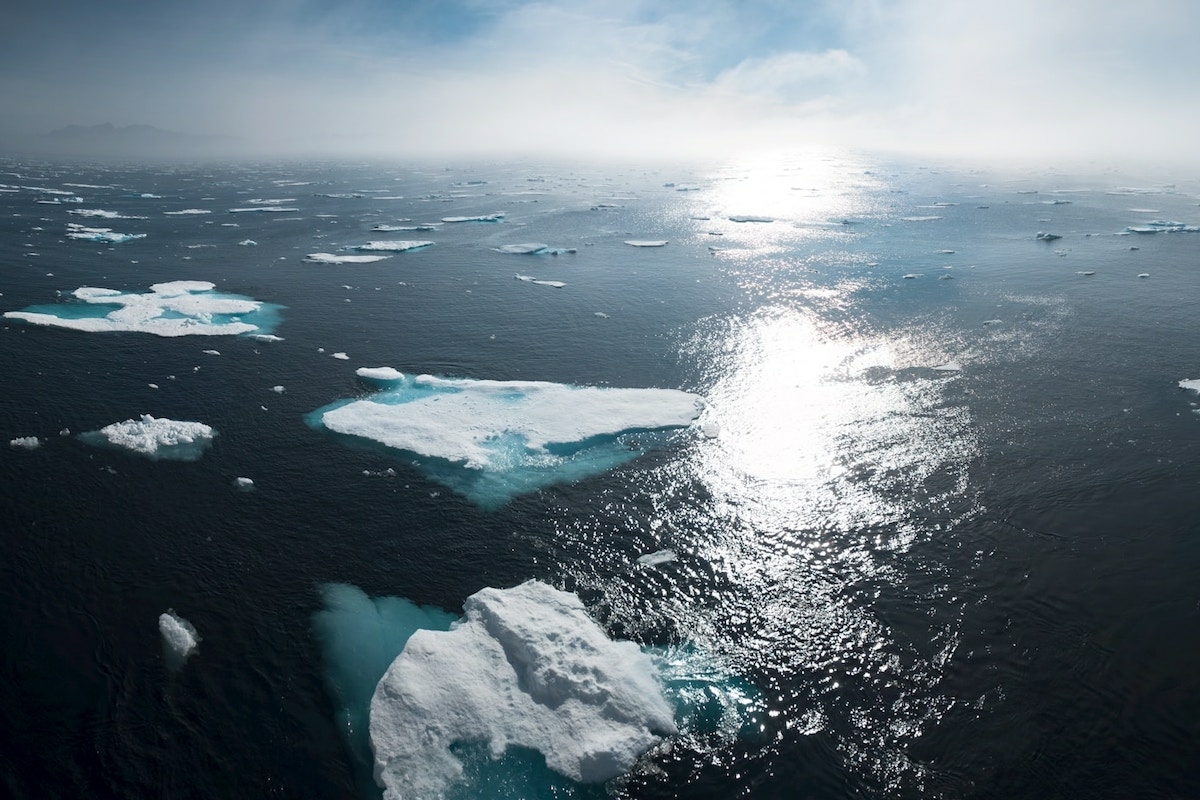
x=930 y=533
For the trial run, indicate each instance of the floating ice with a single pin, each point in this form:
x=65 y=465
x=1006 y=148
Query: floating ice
x=395 y=228
x=744 y=218
x=379 y=373
x=919 y=219
x=332 y=258
x=491 y=440
x=100 y=213
x=499 y=217
x=341 y=356
x=248 y=243
x=646 y=243
x=243 y=484
x=1163 y=226
x=187 y=212
x=1046 y=237
x=103 y=235
x=1086 y=272
x=263 y=209
x=1143 y=274
x=398 y=246
x=531 y=279
x=177 y=308
x=26 y=442
x=656 y=558
x=1191 y=384
x=266 y=337
x=531 y=669
x=156 y=438
x=211 y=352
x=179 y=637
x=949 y=366
x=278 y=389
x=533 y=248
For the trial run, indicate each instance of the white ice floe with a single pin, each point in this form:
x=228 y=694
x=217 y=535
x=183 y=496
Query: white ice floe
x=187 y=212
x=656 y=558
x=949 y=366
x=397 y=246
x=1191 y=384
x=1143 y=274
x=248 y=243
x=175 y=308
x=467 y=421
x=156 y=438
x=1042 y=236
x=278 y=389
x=525 y=667
x=262 y=209
x=498 y=217
x=397 y=228
x=266 y=337
x=340 y=356
x=751 y=218
x=379 y=373
x=531 y=279
x=100 y=213
x=243 y=484
x=178 y=635
x=646 y=242
x=211 y=352
x=333 y=258
x=102 y=235
x=927 y=218
x=26 y=442
x=533 y=248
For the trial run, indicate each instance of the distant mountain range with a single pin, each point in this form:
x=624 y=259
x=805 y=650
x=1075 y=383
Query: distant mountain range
x=132 y=140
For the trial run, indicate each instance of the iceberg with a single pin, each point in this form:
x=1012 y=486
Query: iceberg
x=1191 y=384
x=398 y=246
x=26 y=442
x=187 y=212
x=646 y=243
x=175 y=308
x=332 y=258
x=100 y=213
x=1042 y=236
x=179 y=638
x=656 y=558
x=155 y=438
x=533 y=248
x=746 y=218
x=379 y=373
x=531 y=670
x=102 y=235
x=491 y=440
x=262 y=209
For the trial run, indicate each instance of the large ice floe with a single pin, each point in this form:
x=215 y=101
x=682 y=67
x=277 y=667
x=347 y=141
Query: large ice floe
x=155 y=438
x=396 y=246
x=524 y=696
x=176 y=308
x=491 y=440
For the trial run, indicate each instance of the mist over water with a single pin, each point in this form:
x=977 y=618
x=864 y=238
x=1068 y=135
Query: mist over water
x=929 y=534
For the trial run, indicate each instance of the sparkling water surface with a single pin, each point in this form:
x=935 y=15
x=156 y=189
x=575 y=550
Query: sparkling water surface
x=934 y=524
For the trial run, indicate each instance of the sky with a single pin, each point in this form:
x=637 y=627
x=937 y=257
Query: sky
x=1050 y=79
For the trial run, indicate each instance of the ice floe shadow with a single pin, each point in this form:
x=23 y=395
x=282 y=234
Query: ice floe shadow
x=493 y=440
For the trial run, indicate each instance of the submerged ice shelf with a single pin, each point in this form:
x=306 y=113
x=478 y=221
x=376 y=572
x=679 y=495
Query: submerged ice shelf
x=176 y=308
x=491 y=440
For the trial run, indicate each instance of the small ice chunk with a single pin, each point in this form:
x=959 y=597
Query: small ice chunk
x=247 y=243
x=102 y=235
x=179 y=637
x=711 y=430
x=211 y=352
x=1191 y=384
x=26 y=442
x=530 y=669
x=750 y=218
x=498 y=217
x=155 y=437
x=531 y=279
x=913 y=275
x=646 y=243
x=1143 y=274
x=341 y=356
x=379 y=373
x=949 y=366
x=266 y=337
x=920 y=219
x=656 y=558
x=1042 y=236
x=186 y=212
x=267 y=209
x=278 y=389
x=332 y=258
x=243 y=484
x=534 y=248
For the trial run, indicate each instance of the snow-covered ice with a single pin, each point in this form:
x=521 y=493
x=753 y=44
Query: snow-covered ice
x=333 y=258
x=156 y=438
x=1191 y=384
x=397 y=246
x=533 y=248
x=646 y=242
x=498 y=217
x=176 y=308
x=26 y=442
x=379 y=373
x=656 y=558
x=531 y=669
x=531 y=279
x=102 y=235
x=179 y=637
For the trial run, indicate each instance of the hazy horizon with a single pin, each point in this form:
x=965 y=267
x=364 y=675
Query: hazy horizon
x=1066 y=80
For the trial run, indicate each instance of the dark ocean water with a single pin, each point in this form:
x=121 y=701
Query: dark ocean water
x=976 y=583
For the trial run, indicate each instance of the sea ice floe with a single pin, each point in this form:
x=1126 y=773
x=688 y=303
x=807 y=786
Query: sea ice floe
x=646 y=242
x=262 y=209
x=102 y=235
x=920 y=219
x=397 y=246
x=100 y=213
x=187 y=212
x=1163 y=226
x=26 y=442
x=156 y=438
x=532 y=670
x=179 y=637
x=243 y=484
x=491 y=440
x=397 y=228
x=176 y=308
x=949 y=366
x=657 y=557
x=340 y=356
x=498 y=217
x=533 y=248
x=750 y=218
x=1191 y=384
x=247 y=243
x=333 y=258
x=1042 y=236
x=379 y=373
x=531 y=279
